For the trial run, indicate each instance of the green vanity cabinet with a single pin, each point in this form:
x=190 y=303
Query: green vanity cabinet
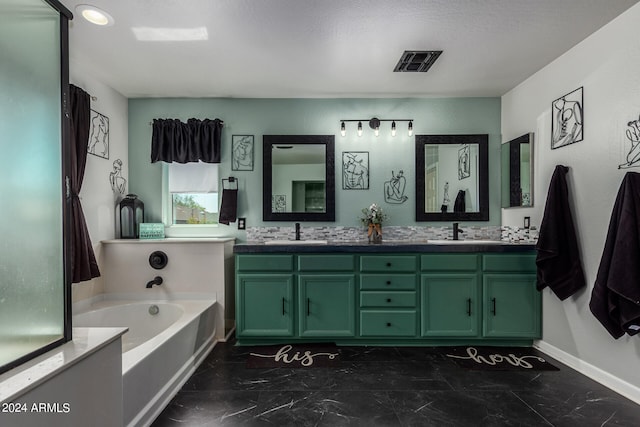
x=300 y=297
x=265 y=305
x=413 y=298
x=512 y=304
x=326 y=305
x=388 y=297
x=489 y=296
x=450 y=305
x=450 y=295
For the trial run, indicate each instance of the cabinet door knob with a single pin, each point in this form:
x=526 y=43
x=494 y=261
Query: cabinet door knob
x=388 y=264
x=388 y=282
x=388 y=324
x=388 y=299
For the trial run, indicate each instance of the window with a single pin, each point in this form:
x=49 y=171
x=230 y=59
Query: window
x=191 y=196
x=194 y=208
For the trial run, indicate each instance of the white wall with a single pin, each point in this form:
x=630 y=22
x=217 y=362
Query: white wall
x=97 y=197
x=606 y=64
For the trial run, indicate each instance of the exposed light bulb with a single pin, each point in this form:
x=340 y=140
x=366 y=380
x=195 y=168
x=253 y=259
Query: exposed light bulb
x=376 y=131
x=343 y=129
x=410 y=128
x=393 y=128
x=359 y=128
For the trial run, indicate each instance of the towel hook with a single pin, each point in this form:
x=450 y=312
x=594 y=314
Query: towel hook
x=230 y=180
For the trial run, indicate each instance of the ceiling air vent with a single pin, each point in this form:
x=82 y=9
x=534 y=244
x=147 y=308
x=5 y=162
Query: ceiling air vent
x=416 y=61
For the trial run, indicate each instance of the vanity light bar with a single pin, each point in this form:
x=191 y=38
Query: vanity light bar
x=374 y=124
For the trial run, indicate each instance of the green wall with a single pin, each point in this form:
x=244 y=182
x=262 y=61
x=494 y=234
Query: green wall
x=317 y=117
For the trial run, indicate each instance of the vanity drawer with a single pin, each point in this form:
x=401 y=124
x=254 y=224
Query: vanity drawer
x=264 y=263
x=391 y=263
x=387 y=323
x=522 y=263
x=388 y=282
x=326 y=263
x=449 y=262
x=387 y=299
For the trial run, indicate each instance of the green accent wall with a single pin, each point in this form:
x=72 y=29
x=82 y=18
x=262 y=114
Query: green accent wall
x=260 y=117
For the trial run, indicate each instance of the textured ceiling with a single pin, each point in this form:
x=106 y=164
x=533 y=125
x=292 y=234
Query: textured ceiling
x=330 y=48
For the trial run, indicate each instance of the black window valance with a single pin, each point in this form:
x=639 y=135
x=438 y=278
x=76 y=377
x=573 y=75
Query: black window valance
x=196 y=140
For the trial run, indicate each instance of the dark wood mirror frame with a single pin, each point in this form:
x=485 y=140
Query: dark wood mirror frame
x=268 y=141
x=512 y=172
x=483 y=169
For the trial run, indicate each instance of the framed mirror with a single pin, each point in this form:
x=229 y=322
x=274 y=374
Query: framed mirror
x=517 y=172
x=452 y=178
x=298 y=178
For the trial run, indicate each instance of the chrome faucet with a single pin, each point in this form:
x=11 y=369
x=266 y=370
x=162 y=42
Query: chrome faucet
x=456 y=230
x=156 y=281
x=297 y=231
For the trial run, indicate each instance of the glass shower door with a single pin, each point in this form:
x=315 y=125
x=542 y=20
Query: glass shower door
x=32 y=276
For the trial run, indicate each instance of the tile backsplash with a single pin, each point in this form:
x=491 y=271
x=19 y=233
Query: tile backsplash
x=519 y=235
x=389 y=233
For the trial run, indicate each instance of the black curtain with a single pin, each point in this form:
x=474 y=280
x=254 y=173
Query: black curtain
x=83 y=260
x=196 y=140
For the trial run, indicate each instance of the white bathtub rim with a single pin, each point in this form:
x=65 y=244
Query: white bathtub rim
x=192 y=309
x=155 y=406
x=132 y=297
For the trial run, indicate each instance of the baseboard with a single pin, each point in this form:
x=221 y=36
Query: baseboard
x=616 y=384
x=229 y=334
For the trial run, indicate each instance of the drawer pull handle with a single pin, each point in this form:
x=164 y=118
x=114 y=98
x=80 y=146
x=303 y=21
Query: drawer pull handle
x=283 y=306
x=388 y=282
x=388 y=324
x=388 y=299
x=469 y=307
x=388 y=264
x=308 y=306
x=493 y=309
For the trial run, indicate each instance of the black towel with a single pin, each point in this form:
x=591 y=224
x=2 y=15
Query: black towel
x=558 y=259
x=229 y=207
x=615 y=298
x=459 y=205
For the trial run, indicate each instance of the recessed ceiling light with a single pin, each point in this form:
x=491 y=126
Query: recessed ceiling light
x=95 y=15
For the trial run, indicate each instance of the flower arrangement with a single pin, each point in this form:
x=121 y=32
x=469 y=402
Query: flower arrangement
x=373 y=215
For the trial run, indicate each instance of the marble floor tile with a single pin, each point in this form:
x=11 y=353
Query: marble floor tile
x=390 y=386
x=456 y=408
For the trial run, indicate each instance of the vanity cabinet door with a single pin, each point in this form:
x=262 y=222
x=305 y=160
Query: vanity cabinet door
x=265 y=305
x=511 y=306
x=450 y=305
x=326 y=305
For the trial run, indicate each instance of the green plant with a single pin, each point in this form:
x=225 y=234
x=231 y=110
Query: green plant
x=373 y=215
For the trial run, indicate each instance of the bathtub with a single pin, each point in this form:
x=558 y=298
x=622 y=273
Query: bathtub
x=159 y=352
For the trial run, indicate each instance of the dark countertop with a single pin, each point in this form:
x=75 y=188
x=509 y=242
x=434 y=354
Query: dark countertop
x=384 y=247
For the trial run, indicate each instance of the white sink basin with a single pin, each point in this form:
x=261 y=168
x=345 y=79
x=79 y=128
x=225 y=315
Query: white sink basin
x=465 y=242
x=295 y=242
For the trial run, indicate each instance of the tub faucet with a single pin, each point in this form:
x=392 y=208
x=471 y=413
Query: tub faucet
x=156 y=281
x=456 y=230
x=297 y=231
